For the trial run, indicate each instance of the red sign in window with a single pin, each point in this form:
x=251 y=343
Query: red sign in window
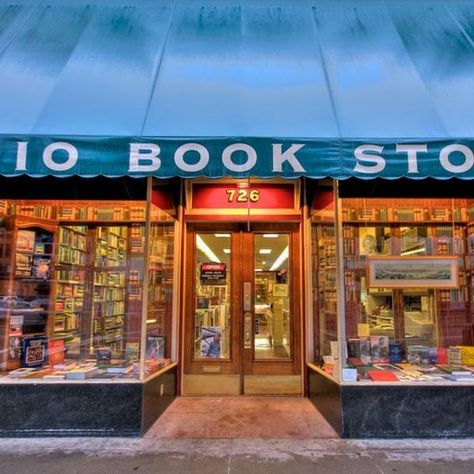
x=234 y=196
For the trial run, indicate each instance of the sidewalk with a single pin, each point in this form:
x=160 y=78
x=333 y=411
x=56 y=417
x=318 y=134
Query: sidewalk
x=236 y=435
x=234 y=456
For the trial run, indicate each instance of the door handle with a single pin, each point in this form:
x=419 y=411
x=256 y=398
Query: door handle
x=247 y=296
x=247 y=330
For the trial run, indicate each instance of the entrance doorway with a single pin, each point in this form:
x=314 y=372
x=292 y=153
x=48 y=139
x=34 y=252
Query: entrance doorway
x=242 y=318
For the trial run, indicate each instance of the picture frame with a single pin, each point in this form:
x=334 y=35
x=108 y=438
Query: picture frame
x=413 y=272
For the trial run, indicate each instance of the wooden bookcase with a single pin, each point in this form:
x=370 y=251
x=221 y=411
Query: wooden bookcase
x=324 y=286
x=26 y=266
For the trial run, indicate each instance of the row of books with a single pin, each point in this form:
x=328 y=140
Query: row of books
x=99 y=212
x=408 y=214
x=77 y=371
x=410 y=372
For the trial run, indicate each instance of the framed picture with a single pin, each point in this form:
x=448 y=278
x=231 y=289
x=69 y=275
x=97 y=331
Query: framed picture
x=413 y=272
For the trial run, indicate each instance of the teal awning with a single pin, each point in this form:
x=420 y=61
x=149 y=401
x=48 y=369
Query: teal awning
x=340 y=88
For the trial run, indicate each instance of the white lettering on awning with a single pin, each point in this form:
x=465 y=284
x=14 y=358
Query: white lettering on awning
x=144 y=152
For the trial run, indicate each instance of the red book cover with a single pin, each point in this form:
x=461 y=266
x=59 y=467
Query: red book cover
x=56 y=352
x=382 y=376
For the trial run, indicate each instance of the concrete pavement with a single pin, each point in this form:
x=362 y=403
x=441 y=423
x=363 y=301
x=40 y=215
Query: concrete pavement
x=234 y=456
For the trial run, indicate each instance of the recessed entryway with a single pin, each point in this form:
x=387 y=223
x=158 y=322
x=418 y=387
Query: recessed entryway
x=241 y=417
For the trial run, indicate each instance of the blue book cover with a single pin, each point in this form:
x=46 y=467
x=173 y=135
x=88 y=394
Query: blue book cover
x=33 y=351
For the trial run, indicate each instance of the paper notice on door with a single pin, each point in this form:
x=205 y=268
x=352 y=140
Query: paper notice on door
x=363 y=330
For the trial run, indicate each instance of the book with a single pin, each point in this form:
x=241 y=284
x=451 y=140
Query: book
x=22 y=372
x=365 y=356
x=132 y=350
x=58 y=375
x=41 y=267
x=104 y=356
x=419 y=355
x=33 y=351
x=390 y=367
x=382 y=376
x=14 y=347
x=81 y=373
x=460 y=378
x=119 y=368
x=379 y=348
x=56 y=352
x=155 y=347
x=454 y=369
x=353 y=348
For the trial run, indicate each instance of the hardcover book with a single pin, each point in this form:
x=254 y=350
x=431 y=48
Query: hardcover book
x=20 y=373
x=382 y=376
x=365 y=356
x=379 y=348
x=81 y=373
x=41 y=267
x=104 y=356
x=56 y=352
x=33 y=353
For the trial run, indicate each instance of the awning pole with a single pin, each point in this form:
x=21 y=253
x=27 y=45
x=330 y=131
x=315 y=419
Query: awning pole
x=340 y=282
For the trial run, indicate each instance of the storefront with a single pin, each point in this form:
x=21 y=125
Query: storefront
x=236 y=198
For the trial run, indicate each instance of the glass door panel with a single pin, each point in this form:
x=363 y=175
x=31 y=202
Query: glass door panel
x=212 y=311
x=272 y=297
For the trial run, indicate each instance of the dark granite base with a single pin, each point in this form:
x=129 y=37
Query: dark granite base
x=394 y=411
x=88 y=409
x=325 y=395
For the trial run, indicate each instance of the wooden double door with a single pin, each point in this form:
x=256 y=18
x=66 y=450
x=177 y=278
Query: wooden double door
x=242 y=318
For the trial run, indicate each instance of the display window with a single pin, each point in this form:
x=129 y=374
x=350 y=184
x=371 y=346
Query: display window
x=86 y=290
x=407 y=295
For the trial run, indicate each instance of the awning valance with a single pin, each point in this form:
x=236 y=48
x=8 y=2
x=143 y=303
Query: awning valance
x=340 y=88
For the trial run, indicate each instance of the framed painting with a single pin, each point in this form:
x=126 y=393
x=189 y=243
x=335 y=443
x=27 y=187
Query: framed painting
x=413 y=272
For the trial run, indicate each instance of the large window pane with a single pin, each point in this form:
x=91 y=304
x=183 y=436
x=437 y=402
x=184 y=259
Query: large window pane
x=72 y=287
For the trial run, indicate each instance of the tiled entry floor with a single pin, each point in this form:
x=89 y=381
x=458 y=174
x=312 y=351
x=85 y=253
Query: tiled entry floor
x=241 y=417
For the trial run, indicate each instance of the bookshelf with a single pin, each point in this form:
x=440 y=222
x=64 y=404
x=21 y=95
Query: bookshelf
x=70 y=278
x=324 y=285
x=160 y=279
x=407 y=210
x=26 y=266
x=109 y=288
x=76 y=211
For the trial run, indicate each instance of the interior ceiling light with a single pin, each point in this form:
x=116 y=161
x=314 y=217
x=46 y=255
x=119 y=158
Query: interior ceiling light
x=203 y=247
x=280 y=259
x=221 y=235
x=265 y=251
x=271 y=236
x=259 y=269
x=226 y=250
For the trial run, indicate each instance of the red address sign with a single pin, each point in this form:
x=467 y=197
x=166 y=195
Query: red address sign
x=255 y=196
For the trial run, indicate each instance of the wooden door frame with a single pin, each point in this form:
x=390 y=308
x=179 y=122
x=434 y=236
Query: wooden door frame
x=293 y=366
x=242 y=250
